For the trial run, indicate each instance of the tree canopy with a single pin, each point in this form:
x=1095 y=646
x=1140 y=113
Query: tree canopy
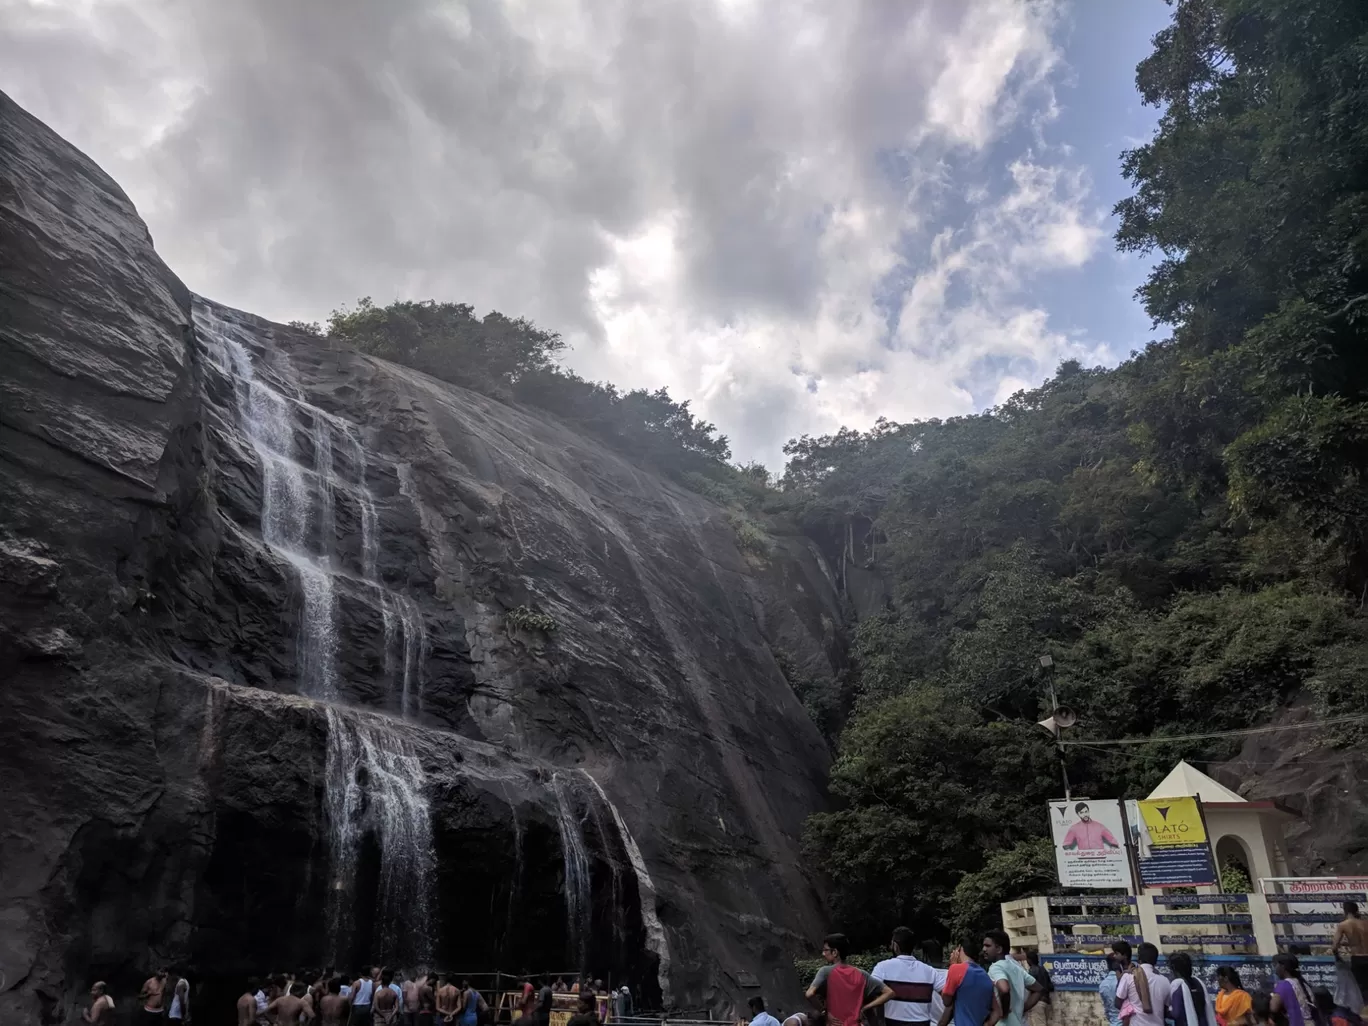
x=514 y=360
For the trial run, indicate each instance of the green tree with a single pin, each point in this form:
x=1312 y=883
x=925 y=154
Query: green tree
x=1254 y=194
x=513 y=359
x=447 y=340
x=1027 y=868
x=929 y=787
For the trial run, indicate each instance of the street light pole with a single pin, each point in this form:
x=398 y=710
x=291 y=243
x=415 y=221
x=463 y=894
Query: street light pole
x=1047 y=664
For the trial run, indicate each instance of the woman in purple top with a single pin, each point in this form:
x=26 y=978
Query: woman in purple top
x=1291 y=995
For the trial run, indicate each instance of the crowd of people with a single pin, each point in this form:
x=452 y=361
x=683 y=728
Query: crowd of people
x=1135 y=993
x=372 y=996
x=997 y=988
x=982 y=984
x=987 y=988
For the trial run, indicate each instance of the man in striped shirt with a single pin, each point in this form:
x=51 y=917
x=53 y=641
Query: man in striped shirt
x=912 y=981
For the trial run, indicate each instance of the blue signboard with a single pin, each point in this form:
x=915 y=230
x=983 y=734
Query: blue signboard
x=1177 y=864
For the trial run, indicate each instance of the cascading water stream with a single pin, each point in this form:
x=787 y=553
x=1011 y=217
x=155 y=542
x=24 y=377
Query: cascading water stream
x=375 y=784
x=287 y=513
x=327 y=503
x=370 y=550
x=515 y=883
x=415 y=629
x=650 y=918
x=415 y=645
x=578 y=894
x=618 y=908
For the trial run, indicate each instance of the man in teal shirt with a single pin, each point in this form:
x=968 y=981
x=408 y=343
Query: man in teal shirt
x=1016 y=989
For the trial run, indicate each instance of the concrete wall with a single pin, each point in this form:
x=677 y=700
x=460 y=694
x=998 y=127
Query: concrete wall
x=1072 y=1008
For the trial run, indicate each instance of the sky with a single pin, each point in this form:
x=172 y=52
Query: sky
x=798 y=215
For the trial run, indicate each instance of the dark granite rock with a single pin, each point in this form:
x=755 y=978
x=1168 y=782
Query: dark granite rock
x=1321 y=784
x=166 y=773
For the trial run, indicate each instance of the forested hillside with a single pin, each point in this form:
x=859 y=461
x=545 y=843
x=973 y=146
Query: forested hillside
x=1186 y=536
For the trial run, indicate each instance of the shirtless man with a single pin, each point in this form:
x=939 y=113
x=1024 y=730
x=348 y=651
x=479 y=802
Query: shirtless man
x=247 y=1005
x=411 y=988
x=449 y=1003
x=288 y=1006
x=1350 y=944
x=386 y=1001
x=101 y=1010
x=153 y=997
x=335 y=1009
x=427 y=1001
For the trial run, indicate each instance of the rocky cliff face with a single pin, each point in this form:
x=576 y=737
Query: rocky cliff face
x=311 y=657
x=1323 y=785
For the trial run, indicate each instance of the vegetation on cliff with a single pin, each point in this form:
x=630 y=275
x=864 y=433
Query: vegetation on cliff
x=514 y=360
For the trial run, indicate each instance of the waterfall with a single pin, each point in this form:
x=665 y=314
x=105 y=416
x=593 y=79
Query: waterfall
x=323 y=469
x=299 y=520
x=318 y=635
x=578 y=894
x=415 y=654
x=374 y=784
x=370 y=552
x=515 y=883
x=287 y=513
x=374 y=781
x=650 y=919
x=619 y=911
x=415 y=629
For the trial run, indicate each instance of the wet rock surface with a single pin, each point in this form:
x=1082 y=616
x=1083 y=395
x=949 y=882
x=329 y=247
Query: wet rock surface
x=184 y=598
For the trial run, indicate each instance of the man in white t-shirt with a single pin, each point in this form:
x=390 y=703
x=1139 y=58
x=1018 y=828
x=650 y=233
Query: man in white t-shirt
x=913 y=982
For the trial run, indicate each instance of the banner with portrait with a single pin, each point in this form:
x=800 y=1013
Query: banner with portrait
x=1090 y=843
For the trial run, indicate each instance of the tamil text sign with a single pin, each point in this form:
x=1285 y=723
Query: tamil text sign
x=1090 y=843
x=1313 y=884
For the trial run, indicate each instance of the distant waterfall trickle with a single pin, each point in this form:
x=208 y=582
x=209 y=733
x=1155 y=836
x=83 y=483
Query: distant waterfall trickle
x=370 y=552
x=374 y=784
x=327 y=505
x=515 y=883
x=578 y=882
x=414 y=652
x=616 y=897
x=415 y=629
x=650 y=918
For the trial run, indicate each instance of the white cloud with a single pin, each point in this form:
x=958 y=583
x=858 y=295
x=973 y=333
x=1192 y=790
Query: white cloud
x=733 y=199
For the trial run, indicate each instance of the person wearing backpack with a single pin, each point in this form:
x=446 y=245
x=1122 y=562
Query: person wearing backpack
x=1292 y=995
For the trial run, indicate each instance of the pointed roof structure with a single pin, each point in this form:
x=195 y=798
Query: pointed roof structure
x=1185 y=780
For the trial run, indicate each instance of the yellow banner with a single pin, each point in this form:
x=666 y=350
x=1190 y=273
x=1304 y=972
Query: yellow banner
x=1170 y=821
